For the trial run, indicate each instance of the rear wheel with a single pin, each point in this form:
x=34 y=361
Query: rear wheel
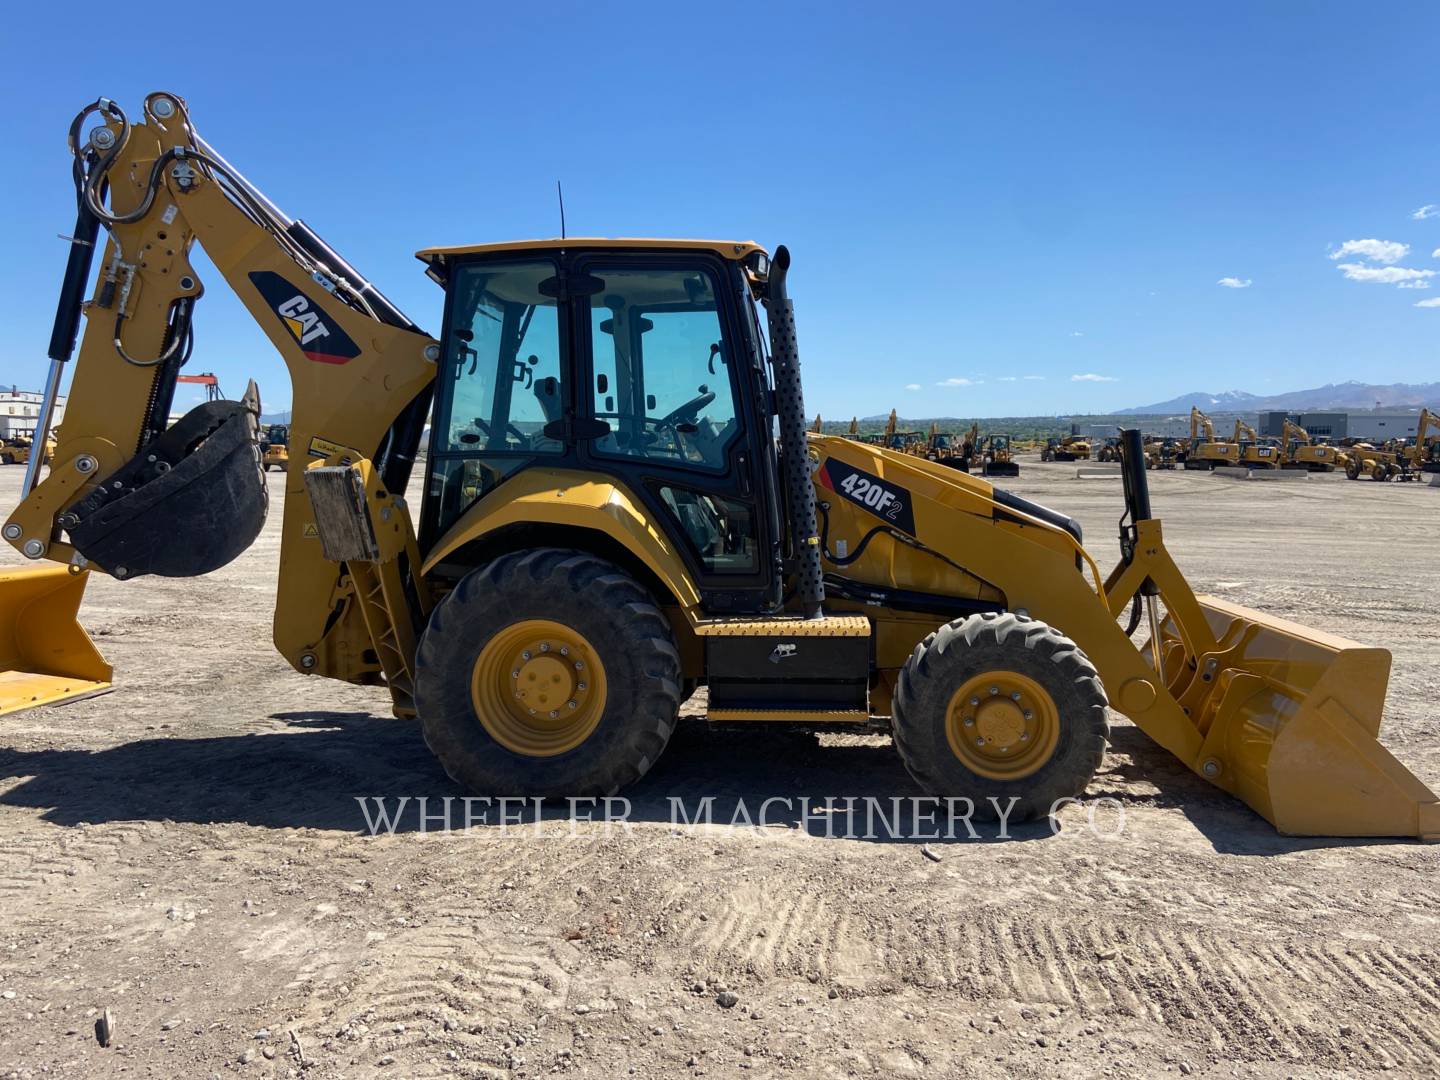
x=1380 y=473
x=547 y=673
x=1352 y=470
x=1000 y=706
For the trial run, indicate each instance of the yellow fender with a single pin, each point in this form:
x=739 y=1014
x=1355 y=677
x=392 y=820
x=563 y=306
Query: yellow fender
x=581 y=500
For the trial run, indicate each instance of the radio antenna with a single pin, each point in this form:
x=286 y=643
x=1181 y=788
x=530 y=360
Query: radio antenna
x=560 y=194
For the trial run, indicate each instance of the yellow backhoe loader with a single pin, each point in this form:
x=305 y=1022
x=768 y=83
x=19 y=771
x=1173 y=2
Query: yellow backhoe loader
x=16 y=449
x=1299 y=451
x=945 y=448
x=1070 y=448
x=607 y=517
x=902 y=442
x=275 y=443
x=996 y=456
x=1255 y=453
x=1204 y=450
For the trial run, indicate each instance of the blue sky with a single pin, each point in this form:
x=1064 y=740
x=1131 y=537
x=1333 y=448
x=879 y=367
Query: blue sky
x=983 y=201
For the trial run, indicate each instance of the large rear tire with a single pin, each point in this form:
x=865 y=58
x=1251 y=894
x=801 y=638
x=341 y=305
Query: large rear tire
x=1000 y=706
x=547 y=673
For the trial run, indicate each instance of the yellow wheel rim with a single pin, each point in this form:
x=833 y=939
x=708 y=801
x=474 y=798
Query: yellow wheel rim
x=1002 y=725
x=538 y=688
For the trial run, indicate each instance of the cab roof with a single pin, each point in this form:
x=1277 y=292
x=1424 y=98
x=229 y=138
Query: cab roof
x=728 y=249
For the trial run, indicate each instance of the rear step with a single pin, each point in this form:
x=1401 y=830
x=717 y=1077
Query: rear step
x=788 y=669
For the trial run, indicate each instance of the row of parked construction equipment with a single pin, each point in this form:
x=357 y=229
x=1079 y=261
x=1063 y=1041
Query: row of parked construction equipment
x=1295 y=448
x=1397 y=459
x=992 y=454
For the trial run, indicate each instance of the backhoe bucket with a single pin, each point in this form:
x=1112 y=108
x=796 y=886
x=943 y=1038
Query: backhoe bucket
x=1290 y=717
x=189 y=503
x=45 y=655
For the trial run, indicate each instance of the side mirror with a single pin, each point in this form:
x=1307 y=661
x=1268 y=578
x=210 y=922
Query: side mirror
x=650 y=402
x=602 y=383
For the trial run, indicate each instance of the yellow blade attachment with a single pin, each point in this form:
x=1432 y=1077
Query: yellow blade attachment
x=46 y=656
x=1289 y=717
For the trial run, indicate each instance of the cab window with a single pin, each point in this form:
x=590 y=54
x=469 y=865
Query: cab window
x=503 y=361
x=660 y=370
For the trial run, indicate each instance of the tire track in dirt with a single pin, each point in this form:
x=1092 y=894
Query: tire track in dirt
x=1258 y=997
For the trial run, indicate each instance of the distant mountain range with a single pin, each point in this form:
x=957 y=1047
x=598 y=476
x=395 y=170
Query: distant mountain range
x=275 y=418
x=1346 y=395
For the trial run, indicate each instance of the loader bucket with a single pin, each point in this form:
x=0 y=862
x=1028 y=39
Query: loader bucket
x=1290 y=718
x=45 y=655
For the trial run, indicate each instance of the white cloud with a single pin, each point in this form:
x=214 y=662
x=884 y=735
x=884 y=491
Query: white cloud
x=1429 y=210
x=1077 y=333
x=1091 y=377
x=1413 y=285
x=1034 y=378
x=1383 y=275
x=1007 y=378
x=1380 y=251
x=960 y=382
x=1234 y=282
x=1434 y=301
x=912 y=386
x=1435 y=254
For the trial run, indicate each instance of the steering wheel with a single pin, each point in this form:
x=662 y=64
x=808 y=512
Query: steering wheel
x=689 y=412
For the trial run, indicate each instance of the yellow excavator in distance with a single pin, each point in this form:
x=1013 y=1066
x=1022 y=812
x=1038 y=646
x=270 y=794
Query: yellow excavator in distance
x=1299 y=451
x=1424 y=456
x=607 y=517
x=1205 y=451
x=1255 y=453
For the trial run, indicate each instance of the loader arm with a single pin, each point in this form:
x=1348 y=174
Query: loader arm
x=361 y=374
x=1281 y=716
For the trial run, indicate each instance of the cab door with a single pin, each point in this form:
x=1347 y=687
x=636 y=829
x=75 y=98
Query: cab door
x=672 y=371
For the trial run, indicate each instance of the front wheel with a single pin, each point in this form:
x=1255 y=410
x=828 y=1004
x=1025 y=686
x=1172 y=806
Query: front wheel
x=1002 y=707
x=547 y=673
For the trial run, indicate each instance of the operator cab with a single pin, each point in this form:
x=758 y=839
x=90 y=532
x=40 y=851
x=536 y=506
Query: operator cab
x=638 y=361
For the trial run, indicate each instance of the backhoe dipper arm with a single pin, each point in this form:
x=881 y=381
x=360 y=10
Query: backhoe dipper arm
x=128 y=496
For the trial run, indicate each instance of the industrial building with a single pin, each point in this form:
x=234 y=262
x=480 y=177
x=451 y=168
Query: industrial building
x=20 y=409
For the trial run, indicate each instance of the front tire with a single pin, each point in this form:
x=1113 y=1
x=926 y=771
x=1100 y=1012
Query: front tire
x=547 y=673
x=1000 y=706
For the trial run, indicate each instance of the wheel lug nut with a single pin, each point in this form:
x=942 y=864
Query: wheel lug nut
x=579 y=665
x=525 y=655
x=581 y=686
x=532 y=712
x=1015 y=695
x=544 y=646
x=969 y=721
x=570 y=705
x=515 y=674
x=980 y=741
x=974 y=701
x=554 y=713
x=1024 y=736
x=564 y=650
x=994 y=690
x=1028 y=714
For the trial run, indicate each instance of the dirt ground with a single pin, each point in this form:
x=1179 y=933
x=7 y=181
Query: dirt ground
x=188 y=853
